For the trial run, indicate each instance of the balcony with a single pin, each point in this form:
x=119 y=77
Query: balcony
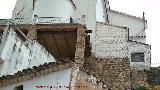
x=45 y=20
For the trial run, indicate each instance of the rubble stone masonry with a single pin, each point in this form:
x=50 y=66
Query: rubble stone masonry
x=114 y=73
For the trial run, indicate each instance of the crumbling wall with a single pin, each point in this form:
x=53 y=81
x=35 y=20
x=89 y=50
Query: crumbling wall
x=111 y=41
x=18 y=54
x=153 y=76
x=140 y=47
x=87 y=82
x=138 y=77
x=150 y=76
x=114 y=73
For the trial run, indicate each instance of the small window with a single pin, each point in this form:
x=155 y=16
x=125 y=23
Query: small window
x=137 y=57
x=19 y=87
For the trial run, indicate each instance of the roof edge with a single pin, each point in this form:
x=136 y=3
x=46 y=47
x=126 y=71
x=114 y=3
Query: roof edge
x=122 y=27
x=138 y=42
x=127 y=14
x=35 y=71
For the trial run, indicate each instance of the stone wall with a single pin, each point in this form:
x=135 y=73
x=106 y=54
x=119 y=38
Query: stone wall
x=135 y=47
x=111 y=41
x=114 y=73
x=138 y=77
x=149 y=76
x=87 y=82
x=153 y=76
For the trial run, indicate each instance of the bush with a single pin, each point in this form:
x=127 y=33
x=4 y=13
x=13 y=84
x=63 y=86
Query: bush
x=139 y=87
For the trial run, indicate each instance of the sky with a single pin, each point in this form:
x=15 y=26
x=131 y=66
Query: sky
x=133 y=7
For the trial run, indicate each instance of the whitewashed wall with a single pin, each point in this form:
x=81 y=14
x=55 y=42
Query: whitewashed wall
x=60 y=78
x=18 y=55
x=111 y=41
x=53 y=8
x=138 y=47
x=23 y=9
x=87 y=8
x=139 y=39
x=100 y=16
x=135 y=25
x=1 y=66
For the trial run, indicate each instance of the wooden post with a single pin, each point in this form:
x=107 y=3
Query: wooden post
x=80 y=46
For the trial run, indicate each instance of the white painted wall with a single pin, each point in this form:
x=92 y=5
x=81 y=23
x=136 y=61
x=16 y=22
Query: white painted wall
x=135 y=25
x=138 y=47
x=60 y=78
x=1 y=66
x=23 y=9
x=100 y=16
x=87 y=8
x=111 y=41
x=139 y=39
x=53 y=8
x=18 y=55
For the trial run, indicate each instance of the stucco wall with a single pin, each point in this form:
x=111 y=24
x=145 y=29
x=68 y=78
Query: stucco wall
x=139 y=47
x=23 y=9
x=18 y=55
x=139 y=39
x=56 y=79
x=87 y=8
x=135 y=25
x=111 y=41
x=53 y=8
x=1 y=66
x=100 y=16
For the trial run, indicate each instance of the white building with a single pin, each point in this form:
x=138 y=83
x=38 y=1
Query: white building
x=94 y=12
x=114 y=35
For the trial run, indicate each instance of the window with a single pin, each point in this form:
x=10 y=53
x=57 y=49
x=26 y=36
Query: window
x=137 y=57
x=19 y=87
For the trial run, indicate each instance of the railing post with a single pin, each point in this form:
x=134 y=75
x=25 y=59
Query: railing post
x=83 y=20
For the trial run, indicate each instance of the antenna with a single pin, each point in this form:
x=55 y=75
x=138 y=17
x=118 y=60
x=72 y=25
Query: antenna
x=144 y=15
x=144 y=20
x=108 y=5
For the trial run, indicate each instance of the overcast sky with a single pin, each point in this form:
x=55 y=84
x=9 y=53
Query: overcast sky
x=134 y=7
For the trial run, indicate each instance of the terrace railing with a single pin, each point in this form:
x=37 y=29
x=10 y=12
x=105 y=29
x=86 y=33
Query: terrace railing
x=48 y=20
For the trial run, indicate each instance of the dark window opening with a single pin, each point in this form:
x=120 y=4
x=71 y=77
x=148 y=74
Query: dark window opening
x=19 y=87
x=137 y=57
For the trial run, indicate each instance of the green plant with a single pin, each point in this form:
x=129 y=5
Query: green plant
x=139 y=87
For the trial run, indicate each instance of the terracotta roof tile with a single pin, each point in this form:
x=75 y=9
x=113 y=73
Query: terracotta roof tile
x=33 y=72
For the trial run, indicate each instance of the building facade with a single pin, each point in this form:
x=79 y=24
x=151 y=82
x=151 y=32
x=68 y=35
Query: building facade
x=90 y=13
x=43 y=34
